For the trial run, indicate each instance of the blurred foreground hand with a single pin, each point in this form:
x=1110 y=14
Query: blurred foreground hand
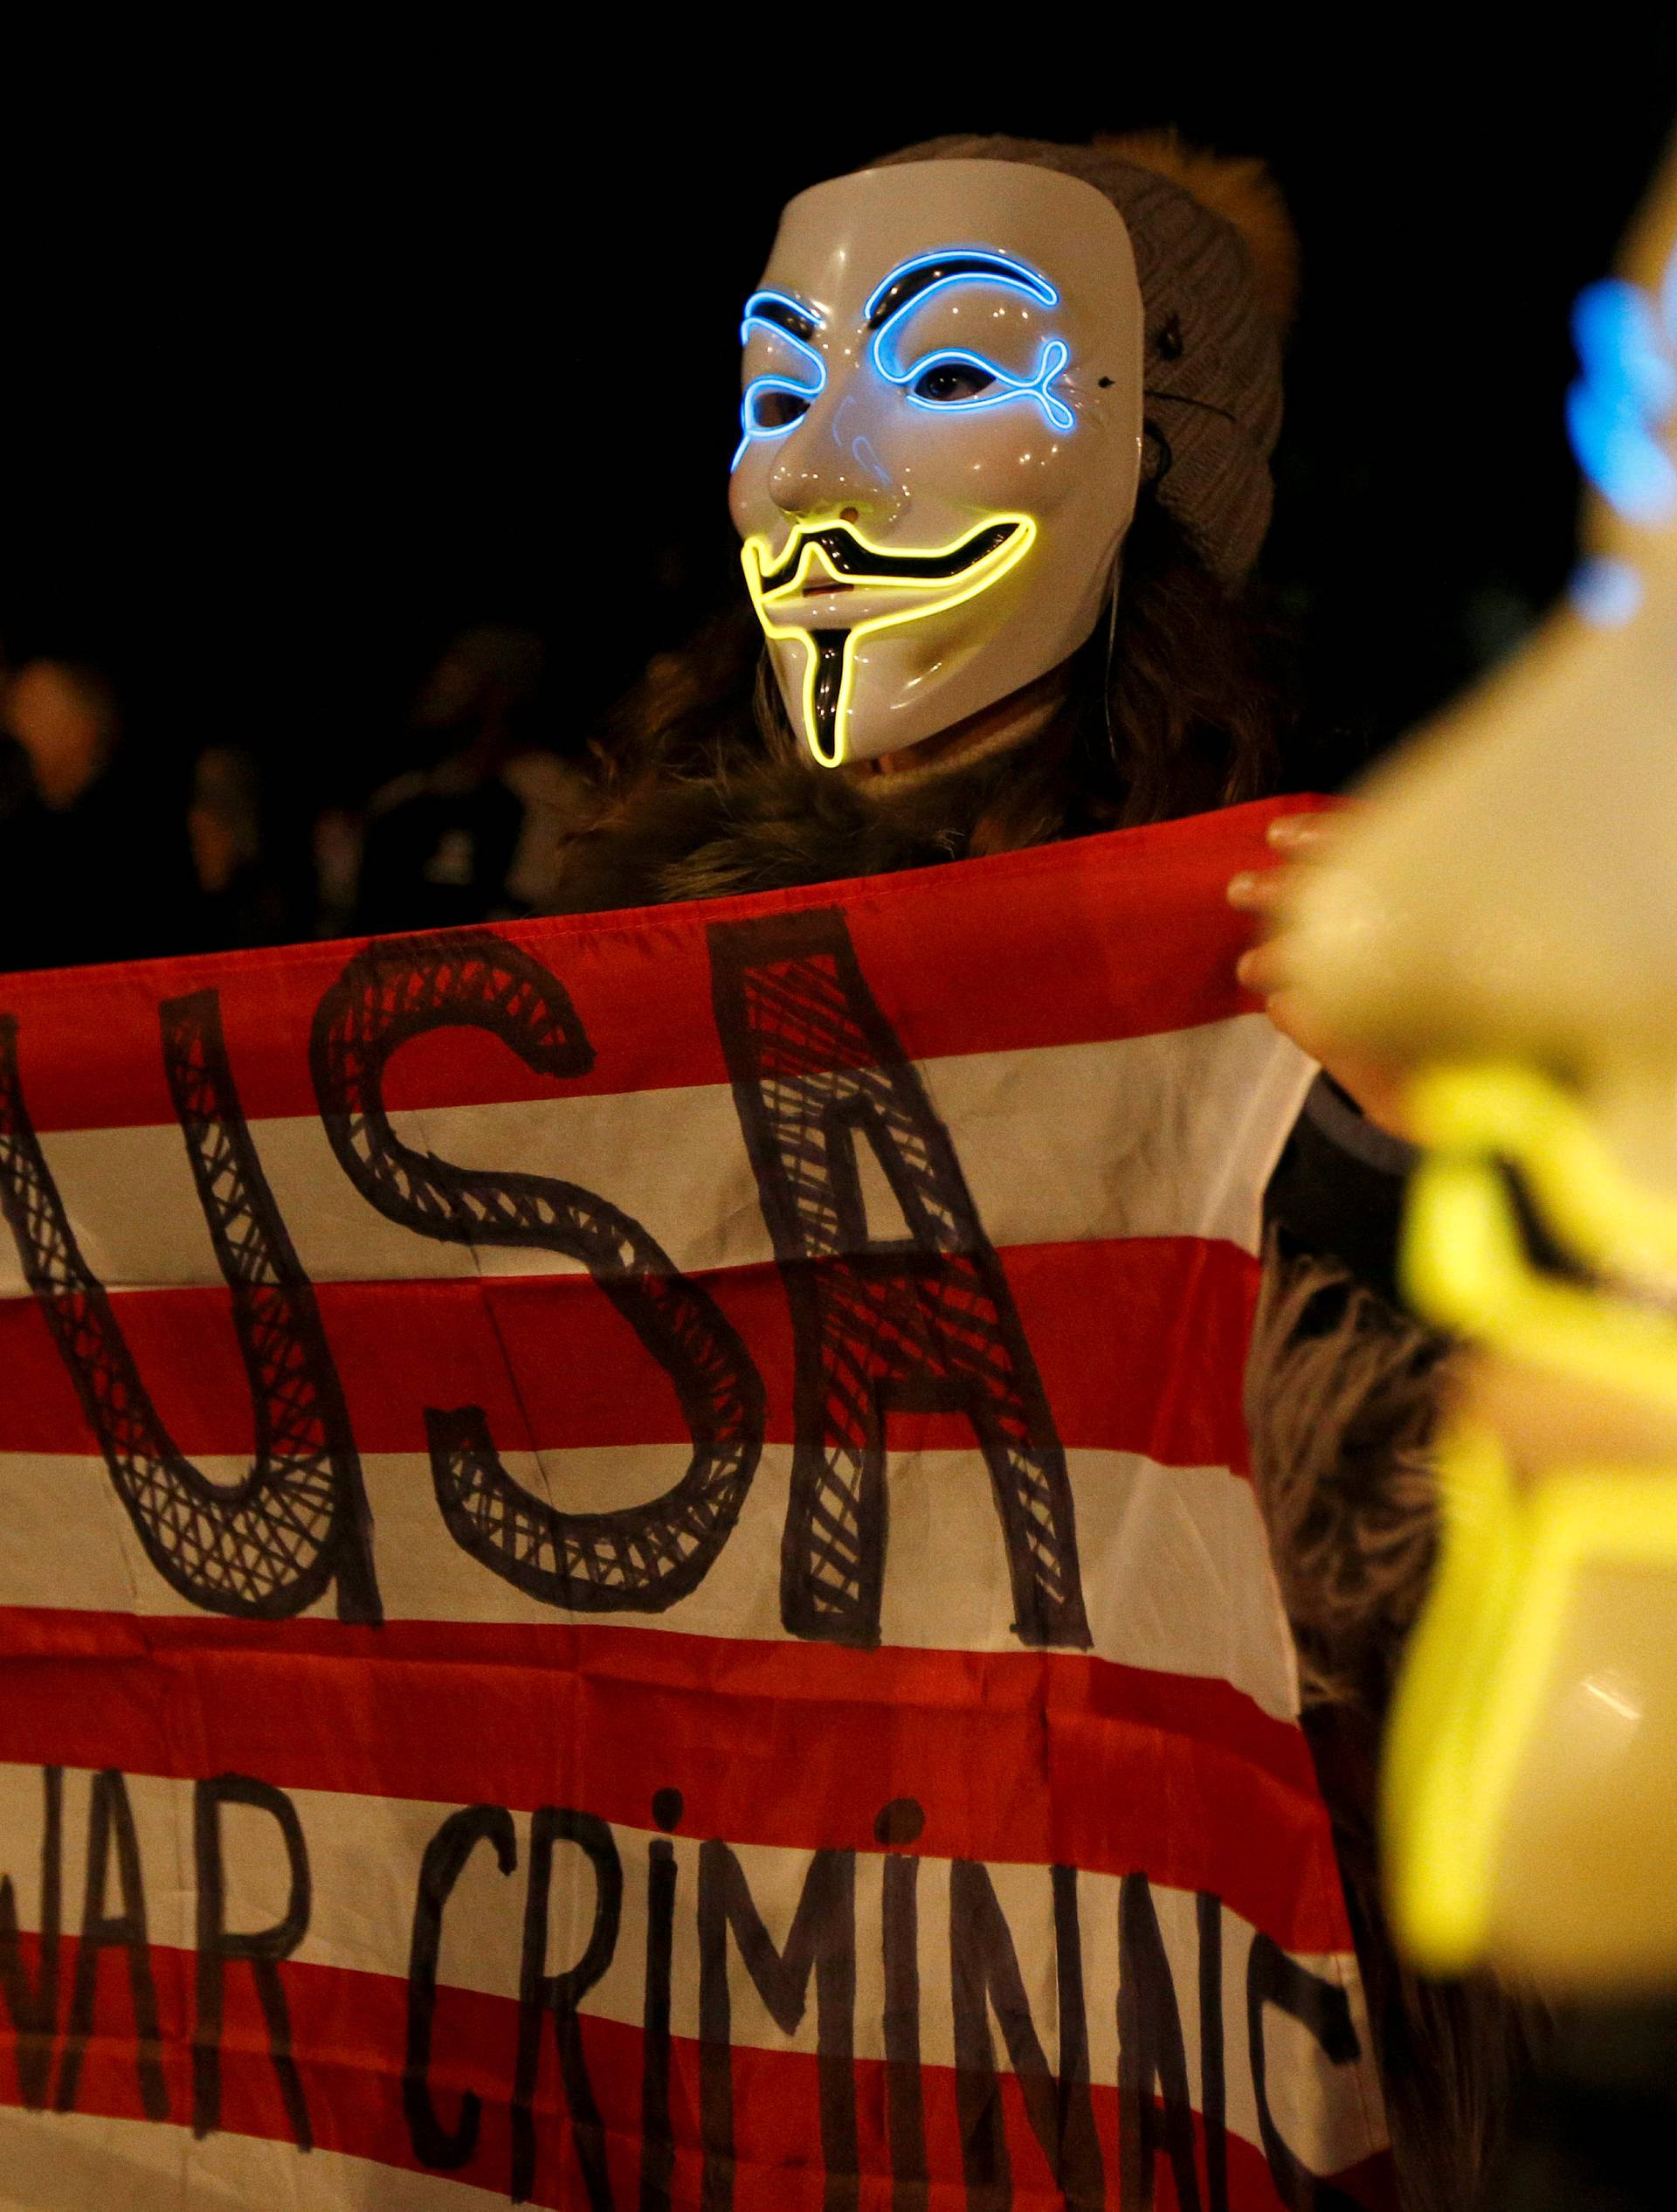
x=1302 y=841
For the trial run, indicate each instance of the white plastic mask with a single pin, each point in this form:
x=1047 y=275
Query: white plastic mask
x=943 y=432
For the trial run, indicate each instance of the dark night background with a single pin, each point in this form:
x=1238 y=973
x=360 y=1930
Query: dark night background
x=297 y=387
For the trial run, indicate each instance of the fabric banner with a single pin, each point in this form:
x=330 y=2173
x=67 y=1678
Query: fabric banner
x=628 y=1575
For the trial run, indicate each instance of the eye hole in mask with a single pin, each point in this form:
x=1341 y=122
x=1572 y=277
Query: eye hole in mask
x=924 y=314
x=950 y=382
x=775 y=407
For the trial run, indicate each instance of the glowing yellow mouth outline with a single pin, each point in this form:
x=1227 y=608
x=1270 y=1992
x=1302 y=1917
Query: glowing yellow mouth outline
x=758 y=559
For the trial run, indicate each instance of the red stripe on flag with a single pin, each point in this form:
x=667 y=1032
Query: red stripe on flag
x=349 y=2033
x=1176 y=1308
x=1029 y=1758
x=1121 y=935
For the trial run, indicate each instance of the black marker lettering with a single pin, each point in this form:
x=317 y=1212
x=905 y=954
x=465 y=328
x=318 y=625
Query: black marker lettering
x=657 y=2143
x=110 y=1818
x=541 y=1994
x=984 y=1972
x=1213 y=2081
x=1150 y=2050
x=922 y=1324
x=1323 y=2009
x=640 y=1557
x=262 y=1947
x=822 y=1941
x=903 y=1821
x=264 y=1548
x=34 y=2005
x=445 y=1858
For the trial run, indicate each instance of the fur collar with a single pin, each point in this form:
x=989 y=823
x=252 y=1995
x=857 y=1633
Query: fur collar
x=774 y=824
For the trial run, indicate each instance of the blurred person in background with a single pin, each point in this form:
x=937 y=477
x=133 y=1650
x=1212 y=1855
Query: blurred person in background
x=95 y=862
x=475 y=831
x=244 y=900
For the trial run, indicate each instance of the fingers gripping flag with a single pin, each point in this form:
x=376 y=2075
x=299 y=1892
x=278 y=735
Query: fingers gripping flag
x=627 y=1575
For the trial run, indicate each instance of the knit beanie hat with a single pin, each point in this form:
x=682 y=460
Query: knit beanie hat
x=1217 y=261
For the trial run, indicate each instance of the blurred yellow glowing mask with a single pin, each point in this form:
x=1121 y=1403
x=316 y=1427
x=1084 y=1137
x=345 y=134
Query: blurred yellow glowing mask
x=1506 y=914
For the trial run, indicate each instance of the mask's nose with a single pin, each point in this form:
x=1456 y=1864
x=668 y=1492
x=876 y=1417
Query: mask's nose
x=828 y=467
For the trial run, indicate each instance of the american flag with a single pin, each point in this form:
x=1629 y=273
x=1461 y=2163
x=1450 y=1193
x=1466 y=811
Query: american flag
x=627 y=1573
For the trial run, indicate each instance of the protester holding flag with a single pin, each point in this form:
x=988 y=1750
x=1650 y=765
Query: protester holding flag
x=1122 y=672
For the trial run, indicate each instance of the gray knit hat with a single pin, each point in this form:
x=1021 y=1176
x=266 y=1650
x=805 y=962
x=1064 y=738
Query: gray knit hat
x=1216 y=259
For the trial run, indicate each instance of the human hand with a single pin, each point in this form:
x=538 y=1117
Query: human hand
x=1300 y=841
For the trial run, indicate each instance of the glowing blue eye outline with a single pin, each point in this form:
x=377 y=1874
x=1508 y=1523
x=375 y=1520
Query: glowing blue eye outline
x=748 y=406
x=1010 y=275
x=1624 y=393
x=1626 y=389
x=1052 y=359
x=753 y=430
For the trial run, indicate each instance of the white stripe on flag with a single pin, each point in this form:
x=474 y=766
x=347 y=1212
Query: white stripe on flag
x=1168 y=1134
x=1176 y=1568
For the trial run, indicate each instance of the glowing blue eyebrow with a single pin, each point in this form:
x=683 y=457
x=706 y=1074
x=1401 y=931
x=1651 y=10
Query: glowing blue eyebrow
x=918 y=279
x=793 y=324
x=780 y=311
x=800 y=308
x=787 y=337
x=912 y=281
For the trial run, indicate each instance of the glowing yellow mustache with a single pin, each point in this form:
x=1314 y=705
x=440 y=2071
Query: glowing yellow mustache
x=932 y=579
